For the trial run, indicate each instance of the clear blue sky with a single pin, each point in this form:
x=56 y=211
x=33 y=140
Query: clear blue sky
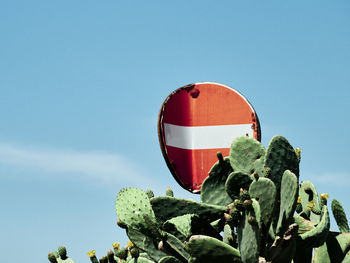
x=82 y=82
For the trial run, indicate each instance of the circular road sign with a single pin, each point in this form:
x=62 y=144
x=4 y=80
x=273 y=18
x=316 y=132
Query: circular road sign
x=198 y=120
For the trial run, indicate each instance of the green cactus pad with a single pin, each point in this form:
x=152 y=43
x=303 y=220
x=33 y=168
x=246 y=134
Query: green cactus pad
x=236 y=181
x=187 y=225
x=218 y=224
x=145 y=243
x=339 y=216
x=213 y=187
x=122 y=253
x=204 y=249
x=317 y=236
x=110 y=256
x=134 y=209
x=264 y=191
x=169 y=259
x=140 y=260
x=247 y=155
x=173 y=246
x=289 y=197
x=347 y=258
x=52 y=258
x=166 y=207
x=134 y=252
x=180 y=225
x=62 y=252
x=104 y=259
x=228 y=235
x=304 y=224
x=334 y=250
x=310 y=201
x=248 y=233
x=55 y=253
x=280 y=156
x=94 y=259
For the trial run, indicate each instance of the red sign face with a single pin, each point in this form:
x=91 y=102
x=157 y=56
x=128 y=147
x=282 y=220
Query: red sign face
x=197 y=121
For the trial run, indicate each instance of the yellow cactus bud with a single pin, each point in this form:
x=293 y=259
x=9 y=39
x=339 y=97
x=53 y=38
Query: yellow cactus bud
x=310 y=205
x=91 y=253
x=299 y=200
x=324 y=196
x=130 y=244
x=116 y=245
x=297 y=151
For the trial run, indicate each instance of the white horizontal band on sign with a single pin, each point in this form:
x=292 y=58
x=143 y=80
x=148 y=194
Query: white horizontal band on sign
x=204 y=137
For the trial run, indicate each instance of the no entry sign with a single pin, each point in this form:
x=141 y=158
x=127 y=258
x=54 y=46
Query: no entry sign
x=197 y=121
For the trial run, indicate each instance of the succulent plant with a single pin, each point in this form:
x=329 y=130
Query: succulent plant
x=60 y=256
x=253 y=209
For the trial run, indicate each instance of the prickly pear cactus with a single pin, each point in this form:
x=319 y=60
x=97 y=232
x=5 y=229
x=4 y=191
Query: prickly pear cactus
x=59 y=256
x=253 y=209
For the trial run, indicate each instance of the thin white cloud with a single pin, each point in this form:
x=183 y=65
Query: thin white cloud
x=329 y=178
x=110 y=168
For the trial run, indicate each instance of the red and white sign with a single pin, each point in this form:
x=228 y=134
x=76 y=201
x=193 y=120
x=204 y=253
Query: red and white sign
x=197 y=121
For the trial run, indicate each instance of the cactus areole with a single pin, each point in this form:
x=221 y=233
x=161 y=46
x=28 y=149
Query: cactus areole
x=198 y=120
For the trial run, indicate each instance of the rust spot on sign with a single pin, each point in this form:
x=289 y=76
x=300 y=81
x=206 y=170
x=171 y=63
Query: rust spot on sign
x=194 y=93
x=192 y=90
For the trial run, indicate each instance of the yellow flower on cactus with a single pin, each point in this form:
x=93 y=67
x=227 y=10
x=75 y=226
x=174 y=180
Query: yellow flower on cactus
x=299 y=200
x=324 y=196
x=311 y=205
x=130 y=244
x=116 y=245
x=91 y=253
x=297 y=151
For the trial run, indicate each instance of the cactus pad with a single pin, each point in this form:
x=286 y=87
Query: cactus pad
x=280 y=156
x=213 y=187
x=169 y=259
x=134 y=209
x=264 y=191
x=310 y=201
x=145 y=243
x=180 y=225
x=140 y=260
x=334 y=250
x=173 y=246
x=204 y=249
x=247 y=155
x=248 y=233
x=289 y=197
x=339 y=216
x=166 y=207
x=235 y=182
x=317 y=236
x=304 y=224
